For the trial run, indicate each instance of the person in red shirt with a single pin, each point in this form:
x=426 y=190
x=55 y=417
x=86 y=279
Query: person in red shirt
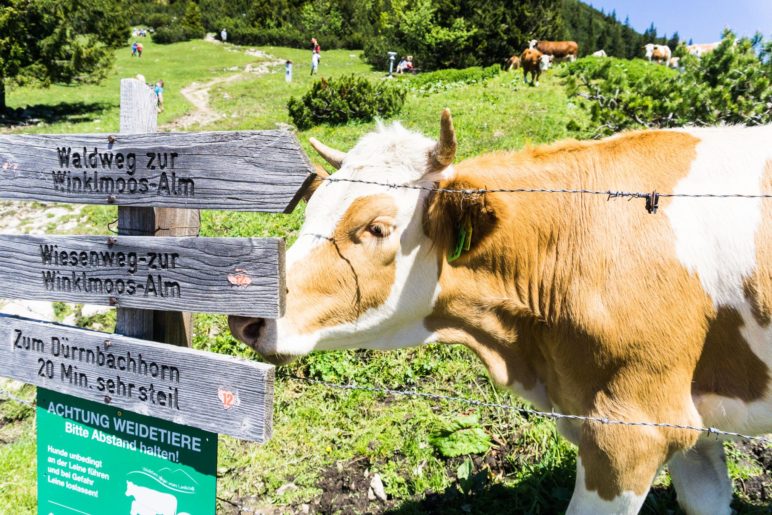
x=316 y=55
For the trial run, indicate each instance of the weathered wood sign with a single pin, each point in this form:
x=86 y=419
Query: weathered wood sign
x=237 y=276
x=246 y=171
x=209 y=391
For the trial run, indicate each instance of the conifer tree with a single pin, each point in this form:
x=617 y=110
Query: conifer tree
x=58 y=40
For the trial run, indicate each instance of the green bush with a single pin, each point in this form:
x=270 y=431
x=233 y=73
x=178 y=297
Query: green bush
x=156 y=20
x=442 y=34
x=730 y=85
x=175 y=34
x=344 y=99
x=192 y=22
x=263 y=37
x=450 y=76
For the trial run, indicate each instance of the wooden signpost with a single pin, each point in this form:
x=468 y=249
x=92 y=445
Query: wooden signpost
x=90 y=452
x=236 y=276
x=245 y=171
x=209 y=391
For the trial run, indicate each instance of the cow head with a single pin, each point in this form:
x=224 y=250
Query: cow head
x=533 y=43
x=649 y=48
x=362 y=273
x=545 y=61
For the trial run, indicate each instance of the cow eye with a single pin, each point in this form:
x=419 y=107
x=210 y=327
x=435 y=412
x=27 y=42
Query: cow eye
x=378 y=230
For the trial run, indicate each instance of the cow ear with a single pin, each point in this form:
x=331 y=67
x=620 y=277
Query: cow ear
x=459 y=224
x=321 y=175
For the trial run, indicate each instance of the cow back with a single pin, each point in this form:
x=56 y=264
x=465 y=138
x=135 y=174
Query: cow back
x=558 y=48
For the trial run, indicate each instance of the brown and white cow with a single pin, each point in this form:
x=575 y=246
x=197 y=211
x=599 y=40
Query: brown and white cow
x=588 y=306
x=513 y=63
x=557 y=49
x=700 y=49
x=657 y=53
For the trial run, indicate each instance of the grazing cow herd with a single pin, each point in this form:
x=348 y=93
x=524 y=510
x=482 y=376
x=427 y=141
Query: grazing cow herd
x=540 y=55
x=578 y=304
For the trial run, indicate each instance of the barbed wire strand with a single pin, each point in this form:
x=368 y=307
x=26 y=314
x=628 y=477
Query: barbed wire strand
x=526 y=411
x=610 y=194
x=8 y=396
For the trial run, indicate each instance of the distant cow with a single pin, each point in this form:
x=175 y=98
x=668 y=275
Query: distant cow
x=658 y=53
x=700 y=49
x=600 y=53
x=558 y=49
x=534 y=62
x=513 y=63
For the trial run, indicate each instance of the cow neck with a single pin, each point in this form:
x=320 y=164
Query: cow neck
x=512 y=276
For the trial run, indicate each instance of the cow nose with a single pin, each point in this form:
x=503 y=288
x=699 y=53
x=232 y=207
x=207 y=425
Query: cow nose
x=247 y=329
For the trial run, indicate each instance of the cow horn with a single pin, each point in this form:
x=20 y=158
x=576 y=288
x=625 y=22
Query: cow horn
x=443 y=153
x=333 y=156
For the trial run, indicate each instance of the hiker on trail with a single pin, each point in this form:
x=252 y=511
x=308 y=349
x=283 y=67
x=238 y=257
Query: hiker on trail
x=139 y=49
x=223 y=35
x=134 y=49
x=159 y=93
x=288 y=71
x=316 y=55
x=405 y=65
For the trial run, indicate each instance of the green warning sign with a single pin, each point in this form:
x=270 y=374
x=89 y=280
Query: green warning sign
x=95 y=459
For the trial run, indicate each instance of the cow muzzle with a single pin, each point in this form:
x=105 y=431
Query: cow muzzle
x=261 y=335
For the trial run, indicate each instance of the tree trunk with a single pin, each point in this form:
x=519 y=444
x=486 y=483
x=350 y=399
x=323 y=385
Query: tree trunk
x=2 y=95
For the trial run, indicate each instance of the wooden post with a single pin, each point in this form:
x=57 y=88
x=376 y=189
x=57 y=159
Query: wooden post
x=139 y=115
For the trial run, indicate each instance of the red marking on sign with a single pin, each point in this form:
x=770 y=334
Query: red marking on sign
x=228 y=398
x=240 y=278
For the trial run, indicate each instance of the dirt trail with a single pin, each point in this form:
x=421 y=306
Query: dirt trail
x=197 y=93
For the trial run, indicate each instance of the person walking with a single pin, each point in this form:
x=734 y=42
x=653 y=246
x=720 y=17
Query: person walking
x=134 y=49
x=139 y=49
x=223 y=36
x=316 y=55
x=159 y=93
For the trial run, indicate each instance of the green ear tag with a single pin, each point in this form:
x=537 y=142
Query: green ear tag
x=463 y=240
x=460 y=242
x=468 y=236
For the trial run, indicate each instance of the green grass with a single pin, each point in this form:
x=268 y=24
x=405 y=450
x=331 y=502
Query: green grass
x=321 y=433
x=95 y=107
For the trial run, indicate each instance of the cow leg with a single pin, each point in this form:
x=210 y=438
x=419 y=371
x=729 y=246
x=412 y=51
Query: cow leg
x=700 y=479
x=590 y=502
x=616 y=466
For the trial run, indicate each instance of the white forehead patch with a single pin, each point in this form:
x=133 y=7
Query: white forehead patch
x=391 y=154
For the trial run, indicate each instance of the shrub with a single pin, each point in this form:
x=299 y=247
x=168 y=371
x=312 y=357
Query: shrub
x=466 y=76
x=191 y=22
x=729 y=85
x=412 y=29
x=174 y=34
x=156 y=20
x=276 y=37
x=343 y=99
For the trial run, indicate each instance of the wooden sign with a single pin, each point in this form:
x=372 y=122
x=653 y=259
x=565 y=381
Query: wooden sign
x=236 y=276
x=200 y=389
x=245 y=171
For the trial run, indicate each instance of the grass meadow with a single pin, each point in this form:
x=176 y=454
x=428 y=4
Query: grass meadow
x=327 y=441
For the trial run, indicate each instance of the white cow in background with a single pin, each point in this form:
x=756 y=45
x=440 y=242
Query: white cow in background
x=600 y=53
x=700 y=49
x=658 y=53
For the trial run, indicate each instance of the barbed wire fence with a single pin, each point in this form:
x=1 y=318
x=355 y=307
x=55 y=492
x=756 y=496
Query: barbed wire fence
x=5 y=395
x=652 y=200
